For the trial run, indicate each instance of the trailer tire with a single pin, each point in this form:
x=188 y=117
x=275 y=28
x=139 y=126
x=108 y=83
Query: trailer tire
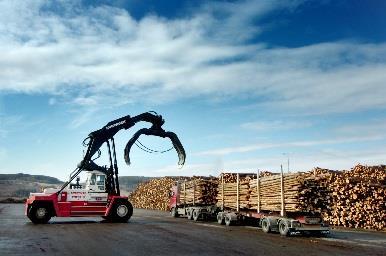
x=220 y=218
x=121 y=211
x=174 y=212
x=284 y=228
x=196 y=215
x=189 y=214
x=39 y=213
x=228 y=220
x=265 y=225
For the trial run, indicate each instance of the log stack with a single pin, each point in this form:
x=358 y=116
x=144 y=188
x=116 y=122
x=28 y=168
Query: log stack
x=153 y=194
x=227 y=191
x=357 y=198
x=198 y=191
x=303 y=192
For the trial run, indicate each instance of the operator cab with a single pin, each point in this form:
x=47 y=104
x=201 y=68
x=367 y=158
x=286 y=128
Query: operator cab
x=96 y=181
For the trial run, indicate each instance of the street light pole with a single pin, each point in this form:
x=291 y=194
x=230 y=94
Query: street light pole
x=288 y=162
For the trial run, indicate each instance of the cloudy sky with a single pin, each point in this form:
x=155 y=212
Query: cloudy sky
x=245 y=84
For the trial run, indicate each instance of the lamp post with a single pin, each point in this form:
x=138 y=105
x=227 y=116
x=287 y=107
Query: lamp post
x=288 y=161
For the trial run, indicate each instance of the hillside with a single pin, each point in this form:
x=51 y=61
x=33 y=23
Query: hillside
x=17 y=187
x=31 y=178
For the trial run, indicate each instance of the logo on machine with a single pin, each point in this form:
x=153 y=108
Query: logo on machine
x=114 y=125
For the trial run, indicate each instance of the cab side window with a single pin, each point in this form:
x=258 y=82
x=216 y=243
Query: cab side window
x=93 y=179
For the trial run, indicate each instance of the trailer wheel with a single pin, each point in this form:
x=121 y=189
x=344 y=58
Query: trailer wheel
x=174 y=212
x=189 y=214
x=121 y=211
x=196 y=215
x=220 y=218
x=39 y=214
x=265 y=226
x=228 y=220
x=283 y=228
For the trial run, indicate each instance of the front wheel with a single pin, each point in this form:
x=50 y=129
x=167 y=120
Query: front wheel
x=265 y=226
x=121 y=211
x=39 y=214
x=174 y=212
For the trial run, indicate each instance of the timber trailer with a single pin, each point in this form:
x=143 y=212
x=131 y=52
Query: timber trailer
x=285 y=223
x=101 y=194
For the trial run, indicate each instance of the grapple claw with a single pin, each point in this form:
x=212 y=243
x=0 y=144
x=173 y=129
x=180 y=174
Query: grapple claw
x=160 y=133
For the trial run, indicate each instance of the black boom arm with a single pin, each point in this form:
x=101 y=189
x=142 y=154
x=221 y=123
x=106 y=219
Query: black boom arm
x=106 y=134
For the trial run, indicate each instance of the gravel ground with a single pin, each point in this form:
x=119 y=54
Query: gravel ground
x=157 y=233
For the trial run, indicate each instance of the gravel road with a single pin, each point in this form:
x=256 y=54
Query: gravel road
x=156 y=233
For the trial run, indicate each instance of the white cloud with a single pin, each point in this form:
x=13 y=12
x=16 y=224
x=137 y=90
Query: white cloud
x=275 y=125
x=102 y=55
x=307 y=143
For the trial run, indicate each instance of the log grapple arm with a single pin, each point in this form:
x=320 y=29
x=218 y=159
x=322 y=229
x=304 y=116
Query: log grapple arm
x=97 y=138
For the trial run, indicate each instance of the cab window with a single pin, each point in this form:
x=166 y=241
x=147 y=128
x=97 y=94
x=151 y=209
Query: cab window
x=93 y=179
x=101 y=182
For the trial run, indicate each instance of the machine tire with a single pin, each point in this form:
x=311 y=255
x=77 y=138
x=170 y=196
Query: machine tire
x=265 y=226
x=174 y=212
x=228 y=220
x=39 y=213
x=189 y=214
x=220 y=219
x=284 y=228
x=196 y=215
x=121 y=211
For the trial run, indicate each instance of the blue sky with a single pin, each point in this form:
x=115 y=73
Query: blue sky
x=244 y=84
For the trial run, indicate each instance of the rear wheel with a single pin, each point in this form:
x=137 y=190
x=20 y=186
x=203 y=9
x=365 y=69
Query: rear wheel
x=196 y=215
x=39 y=214
x=228 y=220
x=121 y=211
x=189 y=214
x=220 y=218
x=265 y=226
x=283 y=228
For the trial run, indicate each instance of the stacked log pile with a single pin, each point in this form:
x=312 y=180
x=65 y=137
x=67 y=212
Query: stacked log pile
x=357 y=198
x=227 y=192
x=152 y=194
x=303 y=192
x=198 y=191
x=354 y=198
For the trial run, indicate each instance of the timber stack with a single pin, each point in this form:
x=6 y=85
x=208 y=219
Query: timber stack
x=199 y=190
x=152 y=194
x=303 y=192
x=357 y=198
x=228 y=188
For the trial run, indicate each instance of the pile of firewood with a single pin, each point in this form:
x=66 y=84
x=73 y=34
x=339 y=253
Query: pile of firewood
x=227 y=192
x=357 y=197
x=198 y=191
x=152 y=194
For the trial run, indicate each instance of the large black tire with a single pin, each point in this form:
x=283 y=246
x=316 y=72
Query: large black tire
x=196 y=215
x=284 y=228
x=228 y=220
x=189 y=214
x=174 y=212
x=220 y=219
x=121 y=211
x=39 y=213
x=265 y=226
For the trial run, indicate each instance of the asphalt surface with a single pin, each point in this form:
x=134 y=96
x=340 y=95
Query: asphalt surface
x=156 y=233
